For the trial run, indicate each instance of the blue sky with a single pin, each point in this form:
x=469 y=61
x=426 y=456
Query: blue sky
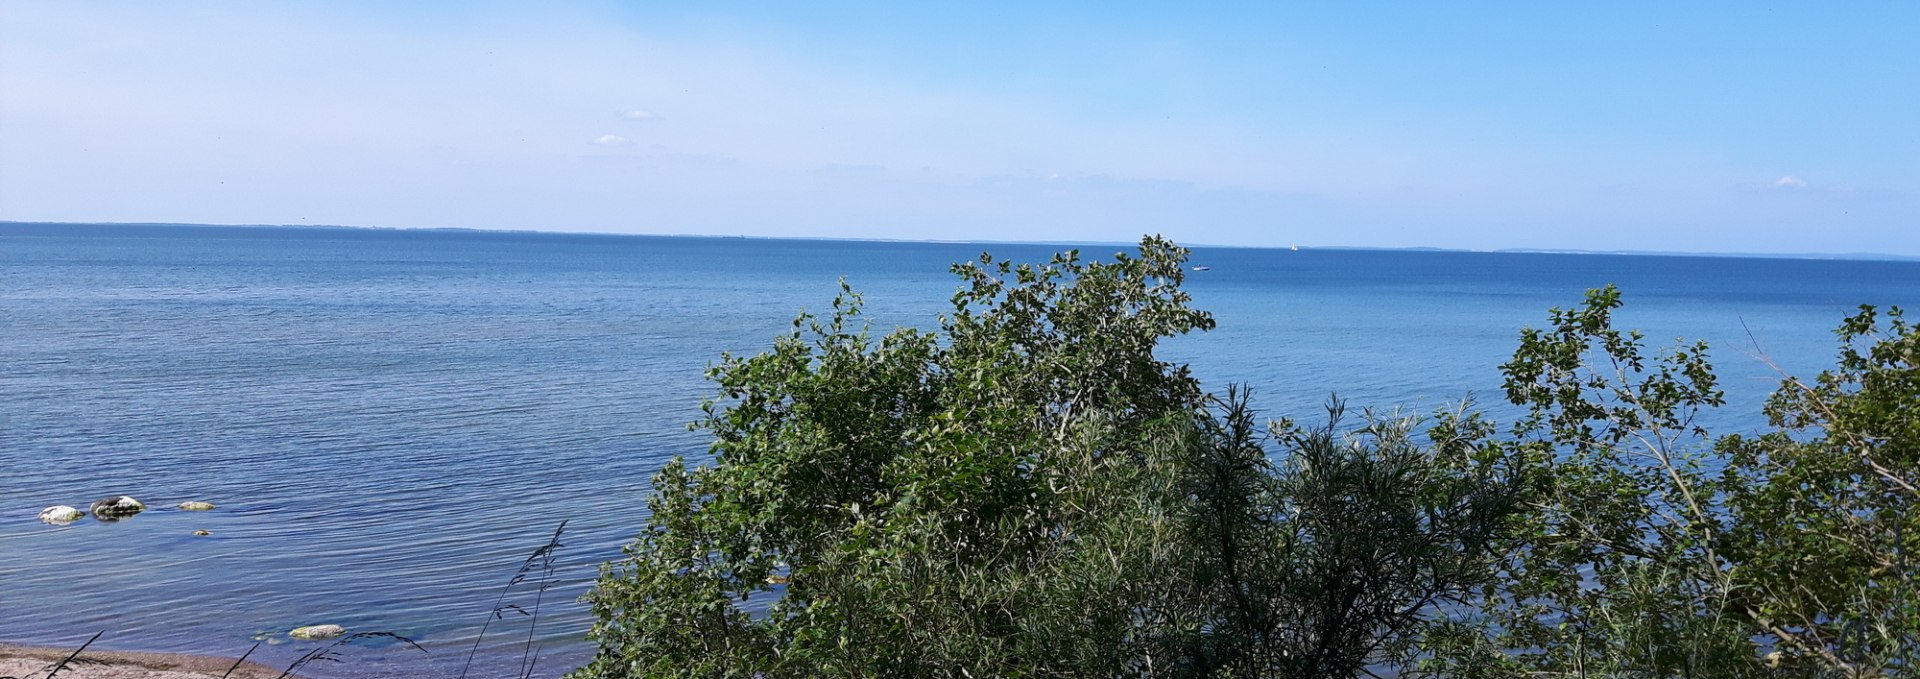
x=1729 y=127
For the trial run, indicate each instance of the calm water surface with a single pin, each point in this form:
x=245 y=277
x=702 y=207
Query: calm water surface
x=390 y=421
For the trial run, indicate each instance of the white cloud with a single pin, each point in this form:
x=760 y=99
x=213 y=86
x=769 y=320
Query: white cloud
x=1790 y=185
x=640 y=114
x=612 y=140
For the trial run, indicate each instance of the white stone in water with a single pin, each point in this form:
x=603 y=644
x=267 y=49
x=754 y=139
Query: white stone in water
x=196 y=506
x=61 y=515
x=118 y=505
x=317 y=632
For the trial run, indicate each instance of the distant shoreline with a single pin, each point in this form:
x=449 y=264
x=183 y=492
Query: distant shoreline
x=1846 y=256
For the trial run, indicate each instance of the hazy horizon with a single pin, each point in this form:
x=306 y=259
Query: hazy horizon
x=1712 y=128
x=1862 y=256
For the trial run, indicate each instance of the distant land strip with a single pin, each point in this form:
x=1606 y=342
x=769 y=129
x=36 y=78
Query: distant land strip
x=1866 y=256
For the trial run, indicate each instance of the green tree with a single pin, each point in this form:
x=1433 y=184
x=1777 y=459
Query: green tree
x=1826 y=508
x=1307 y=552
x=1369 y=538
x=902 y=504
x=1650 y=548
x=1029 y=491
x=1616 y=569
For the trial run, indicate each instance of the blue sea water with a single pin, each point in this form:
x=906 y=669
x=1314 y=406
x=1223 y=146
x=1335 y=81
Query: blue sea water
x=390 y=421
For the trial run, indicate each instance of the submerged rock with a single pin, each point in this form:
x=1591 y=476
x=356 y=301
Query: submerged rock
x=196 y=506
x=317 y=632
x=61 y=515
x=116 y=507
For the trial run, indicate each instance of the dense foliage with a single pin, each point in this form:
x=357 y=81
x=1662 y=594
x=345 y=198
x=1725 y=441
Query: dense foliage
x=1652 y=549
x=1028 y=491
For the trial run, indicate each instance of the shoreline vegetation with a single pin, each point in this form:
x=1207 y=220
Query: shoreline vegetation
x=1026 y=490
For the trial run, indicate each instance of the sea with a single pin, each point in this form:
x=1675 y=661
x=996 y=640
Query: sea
x=391 y=422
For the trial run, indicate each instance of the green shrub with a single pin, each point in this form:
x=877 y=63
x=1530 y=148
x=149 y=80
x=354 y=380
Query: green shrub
x=1650 y=548
x=1826 y=509
x=1028 y=491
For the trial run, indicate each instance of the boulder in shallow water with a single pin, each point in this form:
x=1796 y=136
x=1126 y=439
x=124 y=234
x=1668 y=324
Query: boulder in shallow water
x=61 y=515
x=196 y=506
x=317 y=632
x=116 y=507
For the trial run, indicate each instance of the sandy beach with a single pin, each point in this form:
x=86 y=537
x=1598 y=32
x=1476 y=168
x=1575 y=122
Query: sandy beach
x=33 y=662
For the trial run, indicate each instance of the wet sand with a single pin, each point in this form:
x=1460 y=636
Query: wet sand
x=33 y=662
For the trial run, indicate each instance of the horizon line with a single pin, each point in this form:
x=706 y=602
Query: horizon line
x=1847 y=256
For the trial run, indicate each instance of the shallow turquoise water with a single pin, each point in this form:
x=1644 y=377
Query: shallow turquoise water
x=391 y=420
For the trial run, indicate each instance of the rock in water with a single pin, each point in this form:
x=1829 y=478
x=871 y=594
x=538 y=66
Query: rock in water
x=116 y=507
x=317 y=632
x=196 y=506
x=61 y=515
x=202 y=533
